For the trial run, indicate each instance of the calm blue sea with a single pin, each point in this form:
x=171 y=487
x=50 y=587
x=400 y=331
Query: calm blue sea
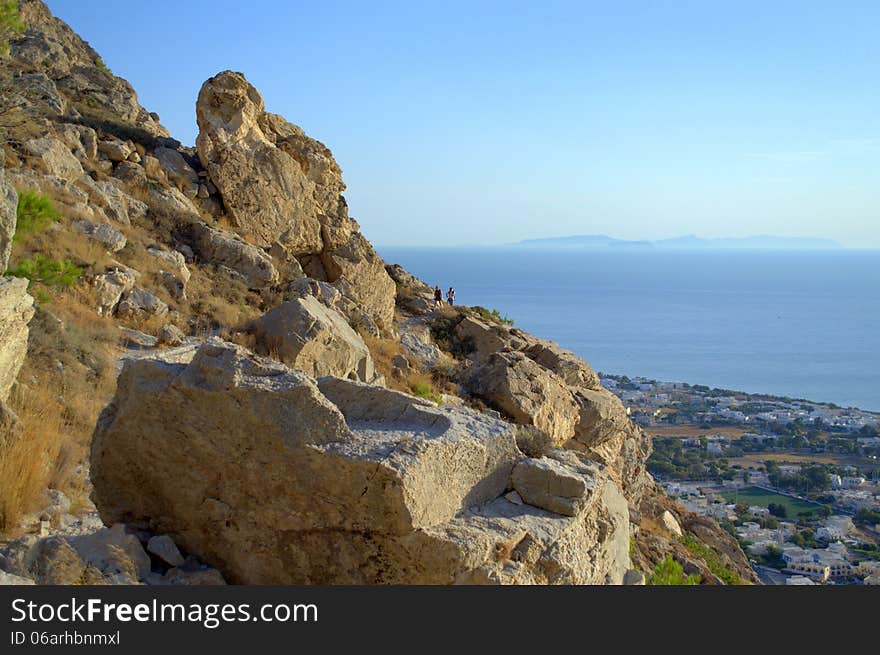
x=803 y=324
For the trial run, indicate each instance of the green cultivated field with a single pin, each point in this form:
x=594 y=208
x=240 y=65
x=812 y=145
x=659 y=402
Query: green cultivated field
x=762 y=498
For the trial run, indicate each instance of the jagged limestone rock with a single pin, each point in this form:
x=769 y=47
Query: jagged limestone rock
x=221 y=247
x=527 y=393
x=52 y=157
x=601 y=416
x=274 y=478
x=8 y=207
x=284 y=190
x=275 y=181
x=16 y=310
x=103 y=233
x=309 y=336
x=79 y=77
x=111 y=286
x=571 y=368
x=140 y=302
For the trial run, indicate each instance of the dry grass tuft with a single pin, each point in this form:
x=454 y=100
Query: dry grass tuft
x=28 y=457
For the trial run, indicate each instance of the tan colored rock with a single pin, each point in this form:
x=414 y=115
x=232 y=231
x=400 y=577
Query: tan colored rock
x=172 y=259
x=52 y=157
x=50 y=46
x=117 y=205
x=171 y=335
x=551 y=485
x=221 y=247
x=670 y=523
x=527 y=393
x=306 y=335
x=104 y=233
x=114 y=552
x=8 y=206
x=275 y=181
x=340 y=482
x=177 y=170
x=55 y=562
x=153 y=169
x=116 y=150
x=110 y=287
x=140 y=303
x=601 y=416
x=479 y=338
x=571 y=368
x=356 y=265
x=626 y=456
x=16 y=310
x=348 y=459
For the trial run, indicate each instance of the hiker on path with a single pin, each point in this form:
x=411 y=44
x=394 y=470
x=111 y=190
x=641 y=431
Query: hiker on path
x=450 y=296
x=438 y=296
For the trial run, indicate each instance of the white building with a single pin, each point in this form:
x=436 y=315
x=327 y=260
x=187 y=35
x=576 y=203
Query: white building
x=798 y=580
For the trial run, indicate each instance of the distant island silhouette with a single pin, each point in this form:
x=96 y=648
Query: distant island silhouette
x=689 y=242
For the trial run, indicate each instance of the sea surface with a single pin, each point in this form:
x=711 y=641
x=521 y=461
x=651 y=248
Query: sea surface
x=801 y=324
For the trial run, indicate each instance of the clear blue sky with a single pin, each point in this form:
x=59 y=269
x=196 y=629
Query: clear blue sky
x=490 y=122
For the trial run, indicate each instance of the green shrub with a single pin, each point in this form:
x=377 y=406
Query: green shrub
x=54 y=273
x=34 y=214
x=100 y=65
x=426 y=391
x=493 y=316
x=670 y=572
x=713 y=560
x=11 y=24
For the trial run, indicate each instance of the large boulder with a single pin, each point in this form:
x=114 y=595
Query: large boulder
x=111 y=286
x=626 y=457
x=276 y=182
x=307 y=335
x=227 y=249
x=571 y=368
x=16 y=310
x=601 y=416
x=104 y=233
x=8 y=220
x=480 y=339
x=276 y=479
x=357 y=267
x=527 y=393
x=283 y=190
x=52 y=157
x=8 y=208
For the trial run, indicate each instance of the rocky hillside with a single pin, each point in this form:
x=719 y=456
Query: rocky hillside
x=277 y=405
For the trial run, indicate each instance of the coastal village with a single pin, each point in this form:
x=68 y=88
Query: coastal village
x=796 y=482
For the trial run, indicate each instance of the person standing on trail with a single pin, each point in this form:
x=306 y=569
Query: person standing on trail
x=438 y=296
x=450 y=296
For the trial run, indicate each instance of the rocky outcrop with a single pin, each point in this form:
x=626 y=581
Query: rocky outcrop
x=72 y=75
x=571 y=368
x=104 y=233
x=140 y=303
x=277 y=183
x=109 y=288
x=284 y=189
x=309 y=336
x=601 y=416
x=221 y=247
x=8 y=206
x=527 y=393
x=16 y=310
x=275 y=478
x=52 y=157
